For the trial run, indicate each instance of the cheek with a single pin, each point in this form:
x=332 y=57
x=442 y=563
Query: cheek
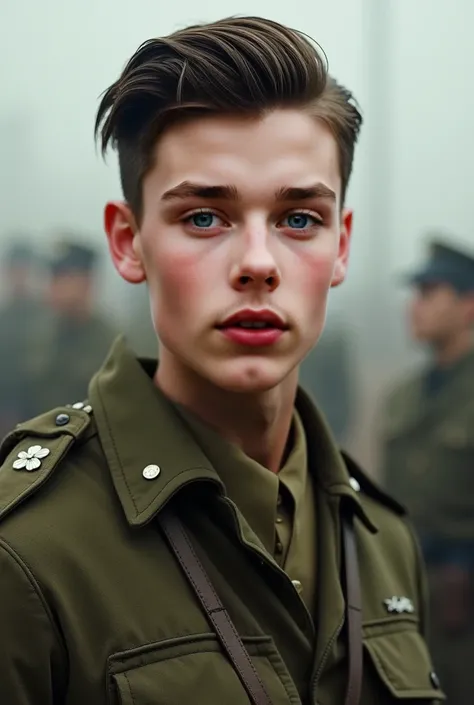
x=178 y=281
x=314 y=274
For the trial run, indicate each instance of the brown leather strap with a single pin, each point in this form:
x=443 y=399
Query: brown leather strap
x=226 y=631
x=217 y=614
x=353 y=612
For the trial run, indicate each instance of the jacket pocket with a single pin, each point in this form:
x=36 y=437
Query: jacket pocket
x=403 y=665
x=195 y=670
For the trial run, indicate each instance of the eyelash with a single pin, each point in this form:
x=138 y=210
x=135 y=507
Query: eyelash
x=318 y=221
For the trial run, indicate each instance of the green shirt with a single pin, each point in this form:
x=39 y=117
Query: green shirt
x=279 y=508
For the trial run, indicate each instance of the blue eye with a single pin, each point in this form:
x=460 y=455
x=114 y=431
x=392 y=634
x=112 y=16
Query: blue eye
x=300 y=221
x=202 y=220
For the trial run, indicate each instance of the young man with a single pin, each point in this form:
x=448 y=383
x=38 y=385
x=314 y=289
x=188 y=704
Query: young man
x=428 y=454
x=192 y=534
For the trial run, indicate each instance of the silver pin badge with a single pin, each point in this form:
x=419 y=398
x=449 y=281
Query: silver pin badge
x=399 y=605
x=31 y=459
x=151 y=472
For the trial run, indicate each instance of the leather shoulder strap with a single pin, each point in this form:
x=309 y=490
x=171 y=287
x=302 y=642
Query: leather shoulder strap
x=225 y=629
x=217 y=614
x=354 y=612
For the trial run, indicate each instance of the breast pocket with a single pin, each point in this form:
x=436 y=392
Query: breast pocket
x=194 y=670
x=398 y=661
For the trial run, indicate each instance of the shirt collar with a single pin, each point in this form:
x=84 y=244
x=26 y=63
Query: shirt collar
x=293 y=474
x=327 y=463
x=250 y=486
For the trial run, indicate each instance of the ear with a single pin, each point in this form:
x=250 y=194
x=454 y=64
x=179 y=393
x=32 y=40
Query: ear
x=340 y=266
x=122 y=235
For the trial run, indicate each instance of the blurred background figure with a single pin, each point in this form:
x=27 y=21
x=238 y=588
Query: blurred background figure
x=21 y=318
x=76 y=337
x=428 y=455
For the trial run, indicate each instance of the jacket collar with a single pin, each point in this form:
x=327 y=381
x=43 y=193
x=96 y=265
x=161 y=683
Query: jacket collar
x=138 y=427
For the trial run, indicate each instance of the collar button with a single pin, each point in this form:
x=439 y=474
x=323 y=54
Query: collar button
x=151 y=472
x=354 y=484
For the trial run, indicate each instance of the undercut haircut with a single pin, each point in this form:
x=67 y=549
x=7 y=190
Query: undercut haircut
x=237 y=66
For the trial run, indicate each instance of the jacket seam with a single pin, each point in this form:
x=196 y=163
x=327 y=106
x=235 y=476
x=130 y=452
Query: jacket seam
x=30 y=577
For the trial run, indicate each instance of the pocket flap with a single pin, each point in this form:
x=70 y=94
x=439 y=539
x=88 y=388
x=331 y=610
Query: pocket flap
x=404 y=665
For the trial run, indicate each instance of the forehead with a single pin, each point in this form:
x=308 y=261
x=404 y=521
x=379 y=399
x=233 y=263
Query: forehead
x=436 y=291
x=282 y=148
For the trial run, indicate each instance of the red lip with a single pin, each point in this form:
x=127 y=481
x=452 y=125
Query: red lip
x=253 y=337
x=252 y=316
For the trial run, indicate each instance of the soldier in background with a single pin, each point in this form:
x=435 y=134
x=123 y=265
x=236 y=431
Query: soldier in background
x=428 y=456
x=21 y=318
x=76 y=338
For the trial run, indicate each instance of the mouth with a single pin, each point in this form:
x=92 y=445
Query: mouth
x=253 y=328
x=254 y=320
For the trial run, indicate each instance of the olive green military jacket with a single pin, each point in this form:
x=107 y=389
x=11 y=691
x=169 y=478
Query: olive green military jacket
x=95 y=610
x=428 y=452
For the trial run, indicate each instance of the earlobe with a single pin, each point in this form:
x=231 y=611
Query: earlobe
x=122 y=231
x=340 y=266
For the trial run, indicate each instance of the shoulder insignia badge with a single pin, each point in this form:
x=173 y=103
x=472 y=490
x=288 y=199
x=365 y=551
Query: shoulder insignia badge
x=31 y=459
x=399 y=605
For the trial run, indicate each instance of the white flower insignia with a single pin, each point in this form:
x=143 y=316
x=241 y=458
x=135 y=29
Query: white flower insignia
x=399 y=605
x=30 y=459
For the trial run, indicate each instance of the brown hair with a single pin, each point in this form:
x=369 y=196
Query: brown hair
x=238 y=65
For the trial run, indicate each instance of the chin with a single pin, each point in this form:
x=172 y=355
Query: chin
x=250 y=377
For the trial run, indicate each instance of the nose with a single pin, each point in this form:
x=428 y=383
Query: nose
x=255 y=267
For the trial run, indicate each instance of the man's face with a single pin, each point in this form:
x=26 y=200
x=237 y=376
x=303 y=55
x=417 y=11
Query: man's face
x=437 y=314
x=70 y=292
x=242 y=217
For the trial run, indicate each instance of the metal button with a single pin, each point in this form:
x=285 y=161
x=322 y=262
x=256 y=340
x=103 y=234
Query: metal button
x=435 y=680
x=78 y=405
x=297 y=585
x=279 y=520
x=279 y=547
x=62 y=419
x=354 y=484
x=151 y=472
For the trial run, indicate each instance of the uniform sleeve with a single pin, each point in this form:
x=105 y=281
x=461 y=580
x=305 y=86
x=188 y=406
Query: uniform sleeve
x=32 y=659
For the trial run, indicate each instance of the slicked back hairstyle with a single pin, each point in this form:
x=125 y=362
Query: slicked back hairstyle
x=245 y=66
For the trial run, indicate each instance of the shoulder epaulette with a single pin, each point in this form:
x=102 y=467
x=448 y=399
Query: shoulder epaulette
x=30 y=454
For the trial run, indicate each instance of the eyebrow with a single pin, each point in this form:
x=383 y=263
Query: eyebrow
x=303 y=194
x=187 y=189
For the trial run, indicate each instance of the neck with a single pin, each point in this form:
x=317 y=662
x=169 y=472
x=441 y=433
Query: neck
x=258 y=423
x=449 y=352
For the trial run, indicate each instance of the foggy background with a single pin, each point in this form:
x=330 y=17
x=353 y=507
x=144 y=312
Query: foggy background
x=409 y=63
